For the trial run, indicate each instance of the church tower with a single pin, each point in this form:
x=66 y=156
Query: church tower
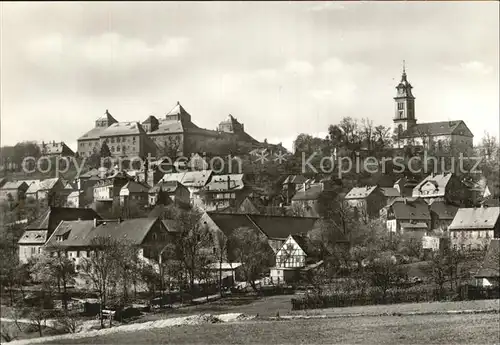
x=404 y=117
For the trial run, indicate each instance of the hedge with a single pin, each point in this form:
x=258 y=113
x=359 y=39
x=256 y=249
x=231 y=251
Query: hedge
x=371 y=296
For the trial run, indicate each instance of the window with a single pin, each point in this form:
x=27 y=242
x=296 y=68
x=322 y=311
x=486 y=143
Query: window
x=479 y=234
x=118 y=148
x=33 y=250
x=487 y=234
x=112 y=139
x=400 y=106
x=112 y=149
x=155 y=236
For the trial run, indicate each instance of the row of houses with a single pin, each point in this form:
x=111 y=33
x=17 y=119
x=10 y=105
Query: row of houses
x=74 y=230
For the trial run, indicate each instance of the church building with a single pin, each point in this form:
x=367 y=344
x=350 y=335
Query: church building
x=436 y=136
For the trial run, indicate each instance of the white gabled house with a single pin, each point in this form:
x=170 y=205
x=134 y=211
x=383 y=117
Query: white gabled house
x=291 y=258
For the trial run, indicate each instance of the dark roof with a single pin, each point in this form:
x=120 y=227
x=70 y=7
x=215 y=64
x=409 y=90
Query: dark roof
x=490 y=265
x=151 y=119
x=434 y=128
x=281 y=227
x=303 y=243
x=415 y=210
x=443 y=210
x=159 y=209
x=272 y=226
x=81 y=233
x=54 y=215
x=228 y=222
x=136 y=187
x=389 y=192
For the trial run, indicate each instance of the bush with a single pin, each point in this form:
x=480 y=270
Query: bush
x=371 y=296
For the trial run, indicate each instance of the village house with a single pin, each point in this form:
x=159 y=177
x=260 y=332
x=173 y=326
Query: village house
x=224 y=191
x=409 y=216
x=36 y=233
x=405 y=186
x=473 y=228
x=291 y=184
x=313 y=197
x=291 y=259
x=108 y=190
x=275 y=229
x=49 y=191
x=194 y=181
x=442 y=215
x=13 y=191
x=58 y=149
x=365 y=202
x=76 y=199
x=488 y=274
x=445 y=187
x=134 y=193
x=169 y=192
x=390 y=194
x=77 y=238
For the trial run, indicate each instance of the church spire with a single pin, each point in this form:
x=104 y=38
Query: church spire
x=403 y=76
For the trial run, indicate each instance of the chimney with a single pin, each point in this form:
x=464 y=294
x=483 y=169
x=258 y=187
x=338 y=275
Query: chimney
x=53 y=142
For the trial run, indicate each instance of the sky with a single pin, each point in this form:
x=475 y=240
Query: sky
x=281 y=68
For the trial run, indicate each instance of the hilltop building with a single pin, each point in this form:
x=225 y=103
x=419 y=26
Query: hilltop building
x=436 y=136
x=173 y=135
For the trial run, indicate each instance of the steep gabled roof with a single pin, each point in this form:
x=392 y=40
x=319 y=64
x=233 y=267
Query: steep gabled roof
x=437 y=181
x=312 y=192
x=46 y=184
x=490 y=266
x=414 y=210
x=475 y=218
x=53 y=215
x=14 y=185
x=178 y=109
x=281 y=227
x=190 y=178
x=81 y=233
x=220 y=183
x=435 y=128
x=303 y=243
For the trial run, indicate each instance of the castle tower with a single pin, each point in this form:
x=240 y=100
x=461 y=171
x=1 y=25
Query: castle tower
x=404 y=116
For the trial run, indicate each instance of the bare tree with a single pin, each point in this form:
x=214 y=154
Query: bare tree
x=56 y=270
x=252 y=250
x=193 y=241
x=101 y=267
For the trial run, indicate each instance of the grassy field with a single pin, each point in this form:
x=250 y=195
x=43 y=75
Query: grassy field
x=270 y=306
x=430 y=329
